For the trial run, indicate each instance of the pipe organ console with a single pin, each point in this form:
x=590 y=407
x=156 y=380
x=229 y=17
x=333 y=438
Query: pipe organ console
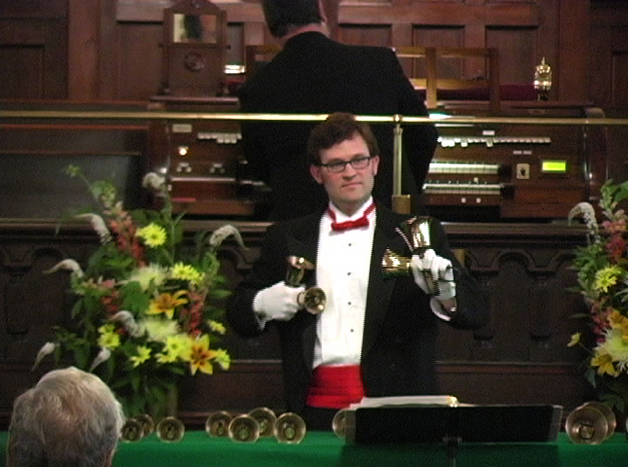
x=482 y=172
x=203 y=162
x=517 y=171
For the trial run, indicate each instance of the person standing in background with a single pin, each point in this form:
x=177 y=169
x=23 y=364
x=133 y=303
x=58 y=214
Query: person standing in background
x=314 y=74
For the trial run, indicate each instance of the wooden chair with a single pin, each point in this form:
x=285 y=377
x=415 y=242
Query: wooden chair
x=432 y=83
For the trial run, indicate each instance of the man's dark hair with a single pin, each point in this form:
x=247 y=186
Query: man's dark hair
x=338 y=127
x=282 y=14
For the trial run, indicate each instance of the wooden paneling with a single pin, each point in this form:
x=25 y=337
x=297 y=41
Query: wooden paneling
x=609 y=54
x=519 y=357
x=34 y=58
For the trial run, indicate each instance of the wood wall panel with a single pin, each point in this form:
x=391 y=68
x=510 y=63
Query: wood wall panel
x=520 y=357
x=607 y=52
x=139 y=66
x=96 y=44
x=517 y=53
x=33 y=53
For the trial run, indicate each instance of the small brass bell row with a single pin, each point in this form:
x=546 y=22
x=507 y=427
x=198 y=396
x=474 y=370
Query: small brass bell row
x=590 y=423
x=168 y=430
x=288 y=428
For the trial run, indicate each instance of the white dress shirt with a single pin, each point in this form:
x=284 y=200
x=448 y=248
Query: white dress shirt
x=342 y=271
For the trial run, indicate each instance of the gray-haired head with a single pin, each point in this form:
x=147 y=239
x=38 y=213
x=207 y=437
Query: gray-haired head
x=70 y=418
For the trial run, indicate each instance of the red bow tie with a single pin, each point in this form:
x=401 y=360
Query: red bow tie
x=359 y=222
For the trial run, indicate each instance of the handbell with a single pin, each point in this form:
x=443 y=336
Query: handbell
x=586 y=425
x=244 y=429
x=266 y=419
x=217 y=424
x=312 y=299
x=132 y=431
x=394 y=265
x=290 y=428
x=170 y=430
x=417 y=233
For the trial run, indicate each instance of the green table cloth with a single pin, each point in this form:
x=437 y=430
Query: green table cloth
x=322 y=449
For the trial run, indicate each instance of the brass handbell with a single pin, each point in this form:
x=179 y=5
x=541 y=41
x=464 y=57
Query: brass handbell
x=417 y=233
x=313 y=299
x=170 y=430
x=590 y=423
x=397 y=265
x=394 y=264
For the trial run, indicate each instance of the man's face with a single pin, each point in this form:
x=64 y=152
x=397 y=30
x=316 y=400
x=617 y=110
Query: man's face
x=351 y=187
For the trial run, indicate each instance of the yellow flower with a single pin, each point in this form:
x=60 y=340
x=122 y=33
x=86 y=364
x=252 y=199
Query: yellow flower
x=606 y=278
x=143 y=354
x=575 y=339
x=200 y=356
x=108 y=339
x=153 y=235
x=178 y=346
x=616 y=348
x=166 y=303
x=217 y=327
x=604 y=362
x=186 y=272
x=223 y=359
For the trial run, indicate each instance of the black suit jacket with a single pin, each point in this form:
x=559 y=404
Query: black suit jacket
x=316 y=75
x=400 y=330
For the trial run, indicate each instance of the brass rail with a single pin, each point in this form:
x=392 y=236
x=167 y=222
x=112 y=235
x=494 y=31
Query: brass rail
x=400 y=202
x=160 y=115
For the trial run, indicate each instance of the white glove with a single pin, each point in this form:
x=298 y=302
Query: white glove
x=278 y=302
x=434 y=274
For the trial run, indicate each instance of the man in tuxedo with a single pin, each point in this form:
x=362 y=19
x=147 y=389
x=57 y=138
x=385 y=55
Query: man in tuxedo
x=316 y=75
x=377 y=334
x=69 y=418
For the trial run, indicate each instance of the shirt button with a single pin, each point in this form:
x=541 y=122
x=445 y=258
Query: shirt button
x=348 y=274
x=349 y=303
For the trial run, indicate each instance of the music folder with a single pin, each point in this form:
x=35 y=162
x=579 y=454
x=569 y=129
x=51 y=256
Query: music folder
x=439 y=423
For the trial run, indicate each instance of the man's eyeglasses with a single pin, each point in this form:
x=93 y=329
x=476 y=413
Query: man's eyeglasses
x=339 y=166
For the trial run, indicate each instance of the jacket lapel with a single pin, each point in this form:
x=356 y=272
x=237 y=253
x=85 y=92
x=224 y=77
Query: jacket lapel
x=380 y=289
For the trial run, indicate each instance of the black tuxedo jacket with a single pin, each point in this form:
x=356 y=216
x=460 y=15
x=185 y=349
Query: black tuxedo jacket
x=398 y=350
x=316 y=75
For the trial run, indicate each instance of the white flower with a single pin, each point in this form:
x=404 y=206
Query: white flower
x=159 y=330
x=46 y=349
x=68 y=265
x=99 y=226
x=102 y=356
x=588 y=213
x=219 y=235
x=127 y=320
x=146 y=274
x=154 y=181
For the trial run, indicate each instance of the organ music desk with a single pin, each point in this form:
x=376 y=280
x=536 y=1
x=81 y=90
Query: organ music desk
x=480 y=171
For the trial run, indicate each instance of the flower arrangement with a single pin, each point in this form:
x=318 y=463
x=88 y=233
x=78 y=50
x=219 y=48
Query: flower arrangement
x=144 y=315
x=603 y=281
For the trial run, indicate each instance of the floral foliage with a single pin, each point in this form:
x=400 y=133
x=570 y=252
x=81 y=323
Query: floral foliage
x=603 y=281
x=145 y=313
